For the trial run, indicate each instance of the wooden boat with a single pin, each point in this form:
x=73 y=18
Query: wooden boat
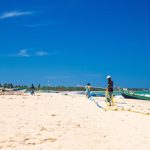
x=131 y=95
x=6 y=91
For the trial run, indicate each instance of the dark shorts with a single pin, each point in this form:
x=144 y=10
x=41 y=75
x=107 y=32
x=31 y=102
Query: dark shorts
x=109 y=97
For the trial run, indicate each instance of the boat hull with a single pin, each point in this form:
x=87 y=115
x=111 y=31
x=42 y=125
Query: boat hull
x=128 y=95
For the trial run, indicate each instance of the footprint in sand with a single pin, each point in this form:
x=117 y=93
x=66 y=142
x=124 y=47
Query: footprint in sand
x=58 y=123
x=53 y=115
x=2 y=142
x=43 y=129
x=34 y=141
x=39 y=134
x=46 y=129
x=50 y=140
x=78 y=125
x=8 y=143
x=11 y=146
x=29 y=141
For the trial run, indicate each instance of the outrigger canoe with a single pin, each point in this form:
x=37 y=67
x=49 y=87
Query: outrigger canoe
x=13 y=91
x=131 y=95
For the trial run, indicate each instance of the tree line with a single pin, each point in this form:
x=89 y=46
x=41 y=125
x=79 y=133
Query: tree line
x=47 y=88
x=59 y=88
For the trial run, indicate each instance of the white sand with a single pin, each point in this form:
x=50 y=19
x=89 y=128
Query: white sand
x=71 y=122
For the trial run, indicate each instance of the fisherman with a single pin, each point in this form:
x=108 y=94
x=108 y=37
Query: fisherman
x=88 y=90
x=32 y=89
x=110 y=91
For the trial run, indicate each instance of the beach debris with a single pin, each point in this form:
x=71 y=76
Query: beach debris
x=50 y=140
x=43 y=129
x=78 y=125
x=53 y=115
x=58 y=123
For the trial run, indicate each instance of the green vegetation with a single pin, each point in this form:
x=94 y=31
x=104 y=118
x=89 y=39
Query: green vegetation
x=60 y=88
x=64 y=88
x=48 y=88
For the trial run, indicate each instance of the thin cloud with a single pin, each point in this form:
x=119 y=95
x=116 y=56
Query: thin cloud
x=35 y=53
x=42 y=53
x=15 y=14
x=23 y=53
x=45 y=53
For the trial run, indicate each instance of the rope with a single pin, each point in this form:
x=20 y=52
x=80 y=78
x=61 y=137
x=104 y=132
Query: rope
x=127 y=109
x=114 y=107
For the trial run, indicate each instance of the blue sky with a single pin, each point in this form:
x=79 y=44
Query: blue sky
x=71 y=42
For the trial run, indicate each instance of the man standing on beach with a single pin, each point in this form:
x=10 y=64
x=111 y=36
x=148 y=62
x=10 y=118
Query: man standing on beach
x=110 y=91
x=32 y=89
x=88 y=91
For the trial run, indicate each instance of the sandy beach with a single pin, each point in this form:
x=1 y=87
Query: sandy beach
x=71 y=122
